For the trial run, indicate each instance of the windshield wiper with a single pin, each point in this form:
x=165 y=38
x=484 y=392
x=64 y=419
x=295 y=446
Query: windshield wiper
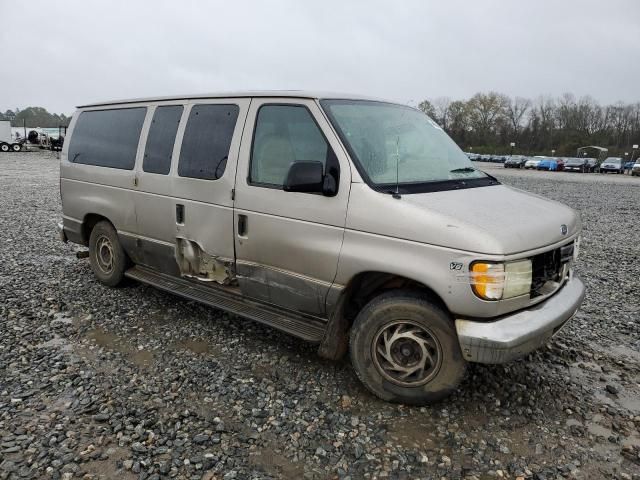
x=491 y=177
x=463 y=170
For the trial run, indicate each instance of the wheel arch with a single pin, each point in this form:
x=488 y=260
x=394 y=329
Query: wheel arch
x=88 y=222
x=360 y=290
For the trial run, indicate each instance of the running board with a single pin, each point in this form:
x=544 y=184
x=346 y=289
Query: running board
x=302 y=326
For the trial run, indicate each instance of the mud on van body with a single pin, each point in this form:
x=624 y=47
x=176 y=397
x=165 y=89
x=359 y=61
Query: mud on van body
x=353 y=223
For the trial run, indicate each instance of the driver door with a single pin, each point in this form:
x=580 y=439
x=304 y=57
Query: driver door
x=288 y=243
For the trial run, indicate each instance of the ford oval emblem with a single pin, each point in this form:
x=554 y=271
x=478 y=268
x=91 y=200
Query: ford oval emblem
x=563 y=229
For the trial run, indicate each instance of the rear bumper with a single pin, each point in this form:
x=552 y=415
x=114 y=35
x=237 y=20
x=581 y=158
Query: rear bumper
x=61 y=234
x=517 y=334
x=70 y=230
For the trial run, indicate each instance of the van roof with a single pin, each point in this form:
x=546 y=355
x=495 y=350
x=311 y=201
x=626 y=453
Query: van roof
x=243 y=94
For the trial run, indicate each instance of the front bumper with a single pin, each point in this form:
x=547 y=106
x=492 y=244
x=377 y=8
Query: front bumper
x=515 y=335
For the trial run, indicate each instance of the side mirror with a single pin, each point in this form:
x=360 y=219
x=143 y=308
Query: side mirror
x=304 y=177
x=329 y=186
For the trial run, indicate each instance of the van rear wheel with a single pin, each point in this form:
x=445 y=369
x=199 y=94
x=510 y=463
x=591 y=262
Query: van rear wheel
x=106 y=255
x=404 y=349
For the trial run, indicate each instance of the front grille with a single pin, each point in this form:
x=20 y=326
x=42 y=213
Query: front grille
x=549 y=270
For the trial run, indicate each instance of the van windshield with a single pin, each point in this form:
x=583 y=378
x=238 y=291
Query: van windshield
x=394 y=143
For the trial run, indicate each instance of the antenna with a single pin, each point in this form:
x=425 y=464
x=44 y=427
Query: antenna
x=396 y=194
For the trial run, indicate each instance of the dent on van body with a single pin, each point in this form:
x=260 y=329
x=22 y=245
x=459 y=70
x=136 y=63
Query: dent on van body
x=279 y=287
x=194 y=262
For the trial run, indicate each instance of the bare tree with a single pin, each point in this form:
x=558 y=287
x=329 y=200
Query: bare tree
x=516 y=110
x=485 y=111
x=427 y=107
x=491 y=120
x=441 y=115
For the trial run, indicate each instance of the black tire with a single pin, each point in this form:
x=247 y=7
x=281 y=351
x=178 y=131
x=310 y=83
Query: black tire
x=4 y=147
x=16 y=147
x=415 y=313
x=108 y=260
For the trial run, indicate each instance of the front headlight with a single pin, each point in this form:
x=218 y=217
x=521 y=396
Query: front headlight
x=576 y=248
x=496 y=281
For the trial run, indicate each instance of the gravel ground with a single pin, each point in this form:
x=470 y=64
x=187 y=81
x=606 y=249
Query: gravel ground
x=133 y=383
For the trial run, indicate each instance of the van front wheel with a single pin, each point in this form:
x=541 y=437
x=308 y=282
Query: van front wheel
x=405 y=349
x=106 y=255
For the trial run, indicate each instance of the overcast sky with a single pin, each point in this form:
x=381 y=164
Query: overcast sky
x=61 y=54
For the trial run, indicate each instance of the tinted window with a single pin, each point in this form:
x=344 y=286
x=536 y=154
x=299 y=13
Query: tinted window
x=284 y=134
x=206 y=141
x=107 y=138
x=162 y=135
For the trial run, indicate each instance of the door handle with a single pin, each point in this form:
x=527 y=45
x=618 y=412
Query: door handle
x=179 y=213
x=242 y=225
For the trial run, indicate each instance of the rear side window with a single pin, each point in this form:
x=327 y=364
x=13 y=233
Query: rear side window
x=162 y=135
x=107 y=138
x=206 y=141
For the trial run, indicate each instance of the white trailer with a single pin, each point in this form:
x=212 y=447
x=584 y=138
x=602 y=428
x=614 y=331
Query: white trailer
x=7 y=144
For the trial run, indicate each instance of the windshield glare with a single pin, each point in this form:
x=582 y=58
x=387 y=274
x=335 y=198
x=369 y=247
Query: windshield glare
x=395 y=142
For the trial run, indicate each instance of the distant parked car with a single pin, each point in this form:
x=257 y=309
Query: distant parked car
x=635 y=171
x=628 y=165
x=515 y=161
x=56 y=143
x=593 y=164
x=549 y=164
x=612 y=164
x=576 y=165
x=560 y=163
x=533 y=162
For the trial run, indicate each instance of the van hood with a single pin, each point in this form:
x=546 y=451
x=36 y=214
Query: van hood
x=495 y=220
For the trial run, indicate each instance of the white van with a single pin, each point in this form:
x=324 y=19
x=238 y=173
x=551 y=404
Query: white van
x=353 y=223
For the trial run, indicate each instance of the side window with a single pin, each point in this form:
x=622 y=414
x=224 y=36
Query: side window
x=206 y=142
x=162 y=135
x=284 y=134
x=107 y=138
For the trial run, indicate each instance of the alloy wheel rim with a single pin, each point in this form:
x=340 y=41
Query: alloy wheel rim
x=104 y=254
x=406 y=353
